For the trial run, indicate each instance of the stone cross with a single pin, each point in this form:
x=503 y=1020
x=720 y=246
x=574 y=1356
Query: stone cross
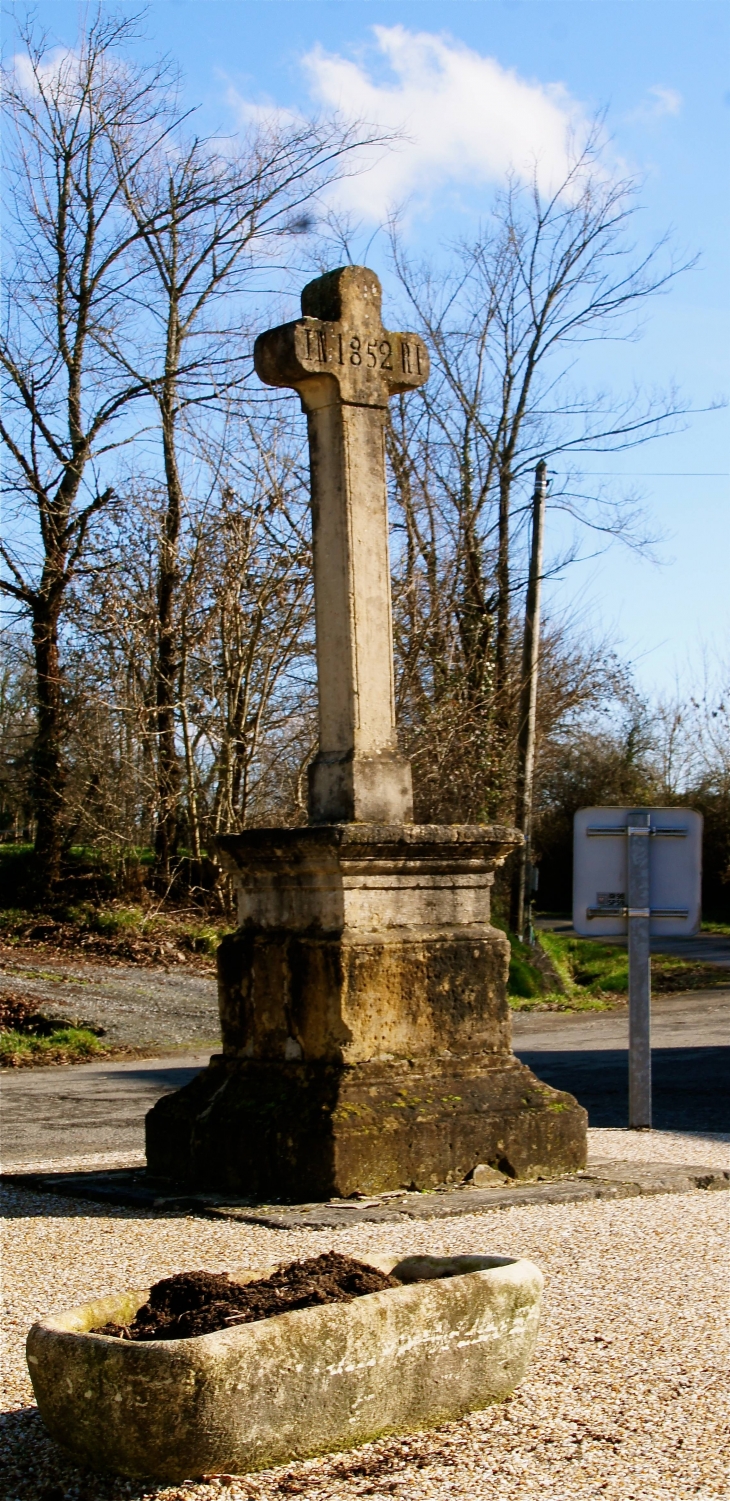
x=345 y=366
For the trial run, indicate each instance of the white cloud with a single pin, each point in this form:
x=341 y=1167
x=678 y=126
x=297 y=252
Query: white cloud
x=665 y=101
x=262 y=115
x=59 y=68
x=660 y=102
x=463 y=118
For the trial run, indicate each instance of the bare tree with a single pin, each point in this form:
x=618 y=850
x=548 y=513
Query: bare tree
x=68 y=251
x=261 y=722
x=243 y=624
x=504 y=326
x=209 y=218
x=110 y=652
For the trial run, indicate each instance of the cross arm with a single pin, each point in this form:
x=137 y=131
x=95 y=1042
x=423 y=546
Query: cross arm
x=341 y=336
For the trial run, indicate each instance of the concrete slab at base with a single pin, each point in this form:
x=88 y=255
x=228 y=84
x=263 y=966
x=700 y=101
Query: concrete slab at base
x=292 y=1386
x=602 y=1180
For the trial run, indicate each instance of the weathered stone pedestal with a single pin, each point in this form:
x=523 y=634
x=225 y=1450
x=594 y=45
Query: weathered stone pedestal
x=366 y=1032
x=366 y=1036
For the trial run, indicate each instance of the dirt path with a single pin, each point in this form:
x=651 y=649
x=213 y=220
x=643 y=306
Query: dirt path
x=137 y=1007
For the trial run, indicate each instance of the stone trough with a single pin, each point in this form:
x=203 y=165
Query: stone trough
x=456 y=1336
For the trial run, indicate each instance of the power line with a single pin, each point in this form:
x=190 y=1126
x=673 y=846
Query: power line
x=657 y=473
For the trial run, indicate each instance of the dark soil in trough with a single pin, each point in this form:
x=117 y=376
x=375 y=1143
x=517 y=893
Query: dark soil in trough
x=201 y=1302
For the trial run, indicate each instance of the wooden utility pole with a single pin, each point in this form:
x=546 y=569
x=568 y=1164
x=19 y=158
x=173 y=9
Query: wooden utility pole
x=528 y=700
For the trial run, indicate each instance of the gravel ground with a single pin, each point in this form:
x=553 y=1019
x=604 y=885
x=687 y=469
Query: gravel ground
x=626 y=1398
x=137 y=1007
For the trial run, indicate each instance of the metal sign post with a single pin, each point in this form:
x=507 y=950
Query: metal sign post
x=637 y=872
x=638 y=915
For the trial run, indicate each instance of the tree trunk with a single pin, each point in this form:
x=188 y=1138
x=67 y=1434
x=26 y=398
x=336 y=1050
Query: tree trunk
x=475 y=622
x=503 y=602
x=190 y=769
x=526 y=725
x=48 y=769
x=168 y=768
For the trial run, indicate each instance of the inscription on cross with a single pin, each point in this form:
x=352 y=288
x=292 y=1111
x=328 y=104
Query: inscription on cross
x=341 y=335
x=345 y=367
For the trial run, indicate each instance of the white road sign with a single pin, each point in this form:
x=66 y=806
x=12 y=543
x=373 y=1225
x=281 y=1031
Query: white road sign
x=600 y=864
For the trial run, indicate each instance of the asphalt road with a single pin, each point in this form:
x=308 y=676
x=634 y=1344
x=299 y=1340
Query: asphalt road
x=85 y=1108
x=698 y=1018
x=50 y=1113
x=586 y=1053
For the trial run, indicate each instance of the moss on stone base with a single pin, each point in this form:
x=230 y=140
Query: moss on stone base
x=302 y=1131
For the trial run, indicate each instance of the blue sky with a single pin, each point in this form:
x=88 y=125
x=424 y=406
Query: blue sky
x=471 y=82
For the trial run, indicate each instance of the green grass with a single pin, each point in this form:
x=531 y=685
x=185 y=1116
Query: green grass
x=63 y=1045
x=120 y=921
x=205 y=939
x=555 y=1000
x=529 y=989
x=593 y=976
x=590 y=968
x=525 y=982
x=584 y=964
x=110 y=921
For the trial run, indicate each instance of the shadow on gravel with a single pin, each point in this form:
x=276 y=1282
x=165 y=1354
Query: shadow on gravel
x=21 y=1202
x=37 y=1469
x=691 y=1086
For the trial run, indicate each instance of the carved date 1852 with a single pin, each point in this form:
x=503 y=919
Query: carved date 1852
x=374 y=354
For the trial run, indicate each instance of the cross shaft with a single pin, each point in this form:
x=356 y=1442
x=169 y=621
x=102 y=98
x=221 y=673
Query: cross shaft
x=345 y=367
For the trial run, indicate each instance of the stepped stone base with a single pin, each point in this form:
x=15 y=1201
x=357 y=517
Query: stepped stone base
x=308 y=1131
x=366 y=1031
